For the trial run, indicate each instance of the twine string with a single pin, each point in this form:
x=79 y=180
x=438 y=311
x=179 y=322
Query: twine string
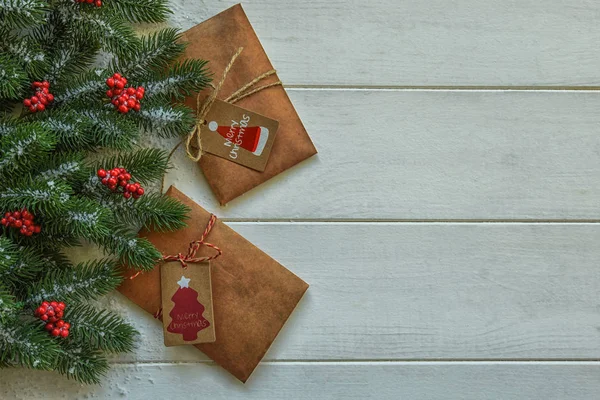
x=203 y=107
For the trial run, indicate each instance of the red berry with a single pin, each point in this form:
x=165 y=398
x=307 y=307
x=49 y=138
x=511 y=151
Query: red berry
x=112 y=182
x=46 y=84
x=60 y=314
x=40 y=311
x=45 y=304
x=127 y=195
x=123 y=109
x=130 y=91
x=137 y=107
x=55 y=332
x=110 y=82
x=27 y=102
x=102 y=173
x=60 y=324
x=41 y=107
x=140 y=191
x=27 y=222
x=37 y=229
x=4 y=221
x=17 y=214
x=117 y=75
x=44 y=317
x=131 y=103
x=18 y=223
x=119 y=84
x=109 y=93
x=34 y=99
x=32 y=109
x=50 y=97
x=65 y=332
x=50 y=313
x=53 y=319
x=49 y=327
x=67 y=326
x=53 y=304
x=117 y=92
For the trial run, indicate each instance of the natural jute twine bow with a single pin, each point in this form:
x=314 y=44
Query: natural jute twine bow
x=202 y=107
x=190 y=257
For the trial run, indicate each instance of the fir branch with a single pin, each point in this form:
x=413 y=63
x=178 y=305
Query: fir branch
x=108 y=30
x=28 y=53
x=112 y=129
x=72 y=130
x=12 y=77
x=157 y=212
x=18 y=264
x=139 y=11
x=133 y=251
x=81 y=363
x=24 y=148
x=82 y=218
x=24 y=343
x=165 y=120
x=102 y=329
x=86 y=281
x=21 y=13
x=36 y=195
x=154 y=52
x=89 y=85
x=144 y=165
x=181 y=79
x=8 y=304
x=70 y=60
x=64 y=166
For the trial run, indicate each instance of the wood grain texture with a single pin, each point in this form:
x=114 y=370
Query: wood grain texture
x=421 y=154
x=422 y=43
x=398 y=291
x=304 y=381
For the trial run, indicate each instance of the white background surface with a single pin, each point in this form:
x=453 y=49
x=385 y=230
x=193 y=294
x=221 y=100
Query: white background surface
x=448 y=227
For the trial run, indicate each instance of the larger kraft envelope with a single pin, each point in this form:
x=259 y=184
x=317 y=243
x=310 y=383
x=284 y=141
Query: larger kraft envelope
x=216 y=40
x=253 y=295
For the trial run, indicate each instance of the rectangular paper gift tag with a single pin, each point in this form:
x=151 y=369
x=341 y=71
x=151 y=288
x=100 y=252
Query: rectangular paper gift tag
x=187 y=306
x=239 y=135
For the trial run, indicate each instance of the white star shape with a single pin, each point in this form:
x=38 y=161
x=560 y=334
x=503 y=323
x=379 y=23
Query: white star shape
x=184 y=282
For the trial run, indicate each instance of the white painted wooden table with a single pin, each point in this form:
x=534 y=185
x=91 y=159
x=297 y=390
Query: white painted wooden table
x=449 y=227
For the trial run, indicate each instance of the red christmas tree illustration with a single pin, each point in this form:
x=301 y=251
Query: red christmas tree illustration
x=186 y=315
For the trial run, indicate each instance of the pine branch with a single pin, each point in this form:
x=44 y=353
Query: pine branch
x=110 y=31
x=82 y=218
x=144 y=165
x=70 y=60
x=102 y=329
x=23 y=343
x=28 y=53
x=154 y=52
x=36 y=195
x=23 y=149
x=112 y=129
x=18 y=264
x=21 y=13
x=133 y=251
x=89 y=85
x=165 y=120
x=139 y=11
x=157 y=212
x=12 y=78
x=81 y=363
x=87 y=281
x=64 y=166
x=180 y=80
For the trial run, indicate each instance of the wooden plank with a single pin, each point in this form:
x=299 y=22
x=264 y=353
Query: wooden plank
x=421 y=43
x=406 y=291
x=419 y=154
x=443 y=381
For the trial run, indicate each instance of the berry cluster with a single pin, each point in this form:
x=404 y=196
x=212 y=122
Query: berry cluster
x=41 y=98
x=22 y=220
x=98 y=3
x=124 y=98
x=117 y=178
x=52 y=313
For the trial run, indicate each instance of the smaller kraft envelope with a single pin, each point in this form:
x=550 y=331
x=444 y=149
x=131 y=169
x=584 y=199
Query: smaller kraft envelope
x=252 y=294
x=275 y=137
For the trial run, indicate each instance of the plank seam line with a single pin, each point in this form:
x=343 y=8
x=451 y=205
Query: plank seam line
x=408 y=221
x=383 y=88
x=371 y=362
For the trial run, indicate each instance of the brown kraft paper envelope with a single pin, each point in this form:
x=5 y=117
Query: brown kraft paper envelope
x=253 y=295
x=216 y=40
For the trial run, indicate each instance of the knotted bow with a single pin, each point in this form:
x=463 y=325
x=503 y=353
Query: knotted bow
x=190 y=257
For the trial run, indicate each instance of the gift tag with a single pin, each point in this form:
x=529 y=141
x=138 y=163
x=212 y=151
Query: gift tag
x=187 y=304
x=239 y=135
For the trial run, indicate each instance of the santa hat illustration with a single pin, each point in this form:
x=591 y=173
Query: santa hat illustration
x=254 y=138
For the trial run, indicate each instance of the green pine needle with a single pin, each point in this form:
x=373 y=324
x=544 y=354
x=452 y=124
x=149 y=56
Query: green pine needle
x=139 y=11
